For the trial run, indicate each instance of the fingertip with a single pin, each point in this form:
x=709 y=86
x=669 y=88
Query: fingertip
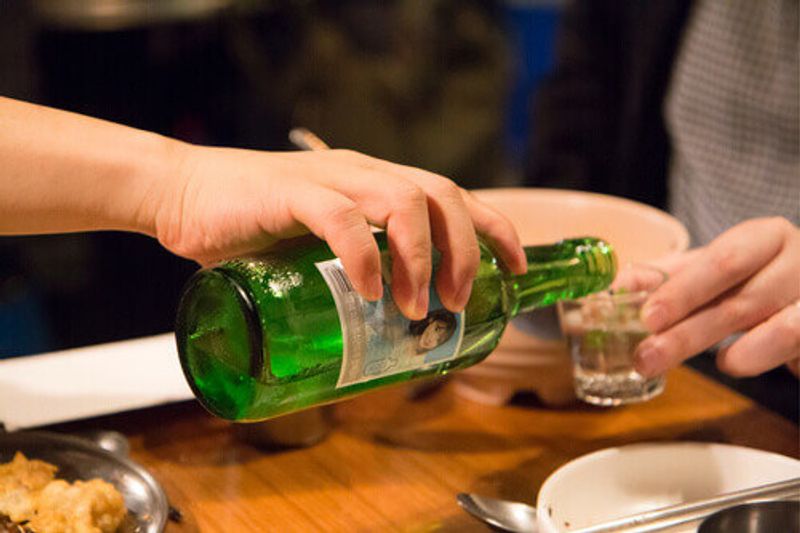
x=422 y=302
x=454 y=279
x=452 y=296
x=413 y=308
x=520 y=263
x=374 y=288
x=648 y=359
x=511 y=255
x=461 y=299
x=410 y=297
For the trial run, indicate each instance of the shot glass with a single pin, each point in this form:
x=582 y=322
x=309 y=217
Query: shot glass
x=603 y=330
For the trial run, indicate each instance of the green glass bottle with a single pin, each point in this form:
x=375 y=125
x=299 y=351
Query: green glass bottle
x=266 y=336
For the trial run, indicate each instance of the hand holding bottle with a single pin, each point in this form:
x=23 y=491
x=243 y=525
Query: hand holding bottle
x=67 y=172
x=746 y=280
x=226 y=203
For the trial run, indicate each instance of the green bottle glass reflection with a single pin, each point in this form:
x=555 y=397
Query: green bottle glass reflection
x=266 y=336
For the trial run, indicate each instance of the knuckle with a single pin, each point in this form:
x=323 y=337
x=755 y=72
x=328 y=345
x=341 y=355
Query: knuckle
x=667 y=306
x=180 y=248
x=344 y=216
x=408 y=195
x=788 y=327
x=735 y=312
x=676 y=345
x=782 y=224
x=447 y=190
x=497 y=224
x=426 y=177
x=727 y=261
x=415 y=261
x=186 y=244
x=773 y=225
x=468 y=261
x=419 y=252
x=346 y=153
x=367 y=254
x=728 y=364
x=441 y=187
x=362 y=160
x=469 y=195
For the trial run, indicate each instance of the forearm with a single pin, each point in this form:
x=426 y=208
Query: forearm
x=63 y=172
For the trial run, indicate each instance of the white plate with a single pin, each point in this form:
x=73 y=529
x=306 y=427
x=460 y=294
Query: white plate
x=618 y=482
x=95 y=380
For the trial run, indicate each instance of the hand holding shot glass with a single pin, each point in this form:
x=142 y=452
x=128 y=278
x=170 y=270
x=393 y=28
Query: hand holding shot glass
x=603 y=331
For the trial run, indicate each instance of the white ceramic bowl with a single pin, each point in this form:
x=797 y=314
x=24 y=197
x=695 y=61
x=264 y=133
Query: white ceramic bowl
x=618 y=482
x=638 y=232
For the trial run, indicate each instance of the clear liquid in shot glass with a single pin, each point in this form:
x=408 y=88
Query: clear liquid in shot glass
x=602 y=343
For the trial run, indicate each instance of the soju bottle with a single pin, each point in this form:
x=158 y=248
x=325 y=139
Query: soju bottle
x=266 y=336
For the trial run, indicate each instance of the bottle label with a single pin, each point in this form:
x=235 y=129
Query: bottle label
x=379 y=341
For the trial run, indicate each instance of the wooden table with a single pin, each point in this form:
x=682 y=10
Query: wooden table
x=391 y=464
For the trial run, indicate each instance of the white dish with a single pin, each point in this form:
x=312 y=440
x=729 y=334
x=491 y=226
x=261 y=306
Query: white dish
x=618 y=482
x=91 y=381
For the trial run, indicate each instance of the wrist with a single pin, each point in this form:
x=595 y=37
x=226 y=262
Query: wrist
x=64 y=172
x=153 y=181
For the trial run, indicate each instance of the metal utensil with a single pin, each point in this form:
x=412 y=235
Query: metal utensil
x=503 y=514
x=760 y=517
x=520 y=517
x=686 y=513
x=111 y=441
x=305 y=139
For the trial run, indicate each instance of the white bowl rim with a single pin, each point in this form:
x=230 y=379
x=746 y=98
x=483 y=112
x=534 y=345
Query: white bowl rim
x=545 y=524
x=682 y=234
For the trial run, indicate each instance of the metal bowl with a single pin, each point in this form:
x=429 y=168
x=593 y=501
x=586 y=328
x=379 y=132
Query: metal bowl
x=760 y=517
x=77 y=458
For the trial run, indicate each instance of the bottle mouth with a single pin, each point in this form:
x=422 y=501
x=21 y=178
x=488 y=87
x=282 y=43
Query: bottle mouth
x=219 y=342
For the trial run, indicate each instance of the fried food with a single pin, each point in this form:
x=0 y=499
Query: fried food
x=20 y=480
x=30 y=495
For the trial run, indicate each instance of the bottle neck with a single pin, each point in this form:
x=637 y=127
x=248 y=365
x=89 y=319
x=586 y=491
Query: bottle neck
x=569 y=269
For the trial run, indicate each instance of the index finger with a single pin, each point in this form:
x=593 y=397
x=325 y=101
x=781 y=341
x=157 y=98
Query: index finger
x=336 y=219
x=722 y=265
x=498 y=231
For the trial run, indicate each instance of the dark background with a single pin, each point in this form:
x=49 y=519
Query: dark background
x=430 y=84
x=446 y=85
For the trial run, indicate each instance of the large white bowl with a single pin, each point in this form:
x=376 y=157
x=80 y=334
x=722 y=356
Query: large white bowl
x=526 y=359
x=638 y=232
x=619 y=482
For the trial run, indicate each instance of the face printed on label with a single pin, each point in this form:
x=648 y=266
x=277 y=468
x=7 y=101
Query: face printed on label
x=378 y=340
x=432 y=331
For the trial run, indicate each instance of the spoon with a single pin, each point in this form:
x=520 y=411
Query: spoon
x=520 y=517
x=502 y=514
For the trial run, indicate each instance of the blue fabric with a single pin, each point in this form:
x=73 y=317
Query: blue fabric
x=23 y=330
x=532 y=32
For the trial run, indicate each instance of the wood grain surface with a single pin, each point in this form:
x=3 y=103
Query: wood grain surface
x=392 y=464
